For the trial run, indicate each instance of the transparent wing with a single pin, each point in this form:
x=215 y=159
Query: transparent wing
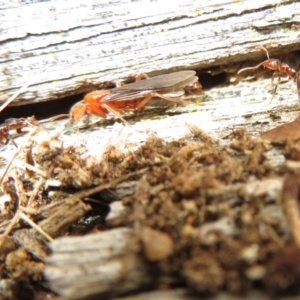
x=160 y=84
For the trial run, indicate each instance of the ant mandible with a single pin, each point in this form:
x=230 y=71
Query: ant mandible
x=282 y=70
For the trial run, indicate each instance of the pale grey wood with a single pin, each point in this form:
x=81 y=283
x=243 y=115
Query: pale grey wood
x=71 y=47
x=95 y=264
x=183 y=294
x=243 y=105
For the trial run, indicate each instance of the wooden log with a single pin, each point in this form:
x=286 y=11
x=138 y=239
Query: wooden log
x=183 y=294
x=100 y=268
x=56 y=223
x=67 y=48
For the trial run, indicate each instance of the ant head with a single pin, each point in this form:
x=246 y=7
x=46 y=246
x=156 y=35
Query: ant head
x=77 y=112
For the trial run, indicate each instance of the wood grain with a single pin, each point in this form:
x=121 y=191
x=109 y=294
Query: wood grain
x=66 y=48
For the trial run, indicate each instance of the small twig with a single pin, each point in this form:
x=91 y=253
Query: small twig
x=256 y=156
x=24 y=166
x=9 y=164
x=97 y=201
x=111 y=184
x=15 y=95
x=290 y=195
x=10 y=227
x=29 y=210
x=274 y=236
x=12 y=223
x=198 y=132
x=35 y=226
x=30 y=134
x=21 y=193
x=35 y=191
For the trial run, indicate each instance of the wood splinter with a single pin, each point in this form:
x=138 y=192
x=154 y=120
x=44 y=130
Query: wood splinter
x=290 y=196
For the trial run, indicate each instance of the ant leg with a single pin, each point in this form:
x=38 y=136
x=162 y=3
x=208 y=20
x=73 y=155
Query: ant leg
x=276 y=73
x=54 y=118
x=144 y=102
x=116 y=113
x=87 y=120
x=8 y=139
x=285 y=79
x=12 y=140
x=137 y=78
x=140 y=76
x=251 y=68
x=176 y=100
x=298 y=85
x=274 y=92
x=264 y=63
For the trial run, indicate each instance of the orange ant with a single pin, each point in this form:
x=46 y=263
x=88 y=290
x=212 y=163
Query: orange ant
x=280 y=69
x=135 y=95
x=17 y=124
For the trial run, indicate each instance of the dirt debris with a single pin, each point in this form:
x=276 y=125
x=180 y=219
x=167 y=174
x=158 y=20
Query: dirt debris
x=207 y=212
x=223 y=240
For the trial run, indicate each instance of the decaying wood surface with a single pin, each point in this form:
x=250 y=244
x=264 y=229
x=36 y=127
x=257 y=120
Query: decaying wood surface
x=103 y=260
x=244 y=105
x=66 y=48
x=100 y=266
x=181 y=294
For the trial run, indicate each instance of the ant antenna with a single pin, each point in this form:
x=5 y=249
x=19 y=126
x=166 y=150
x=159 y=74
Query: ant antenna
x=263 y=48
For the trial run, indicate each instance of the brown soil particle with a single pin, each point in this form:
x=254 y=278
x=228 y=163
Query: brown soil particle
x=215 y=217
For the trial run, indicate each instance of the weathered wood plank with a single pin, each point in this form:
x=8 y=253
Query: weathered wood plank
x=182 y=294
x=102 y=264
x=68 y=47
